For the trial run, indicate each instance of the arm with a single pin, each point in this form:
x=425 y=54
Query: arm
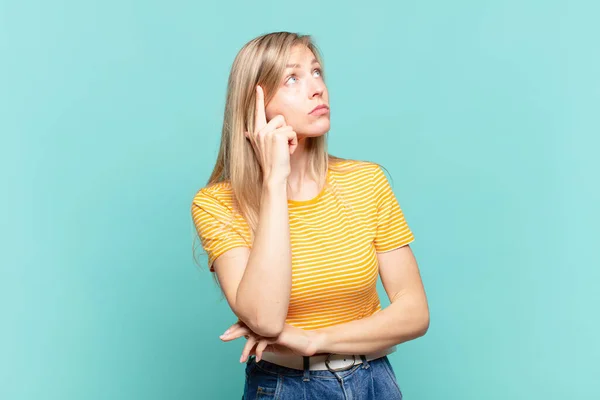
x=406 y=318
x=245 y=274
x=269 y=266
x=258 y=283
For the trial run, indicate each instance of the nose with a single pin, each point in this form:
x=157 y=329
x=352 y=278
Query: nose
x=316 y=89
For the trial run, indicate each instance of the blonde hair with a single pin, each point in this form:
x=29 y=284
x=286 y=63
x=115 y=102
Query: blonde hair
x=260 y=62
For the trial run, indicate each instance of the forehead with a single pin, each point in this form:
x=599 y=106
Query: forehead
x=300 y=53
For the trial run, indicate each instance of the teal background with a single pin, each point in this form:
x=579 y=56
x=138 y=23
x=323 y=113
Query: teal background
x=484 y=112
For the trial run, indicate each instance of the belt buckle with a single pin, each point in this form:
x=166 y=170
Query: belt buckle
x=341 y=368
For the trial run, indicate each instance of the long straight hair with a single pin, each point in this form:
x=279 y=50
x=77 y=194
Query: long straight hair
x=260 y=62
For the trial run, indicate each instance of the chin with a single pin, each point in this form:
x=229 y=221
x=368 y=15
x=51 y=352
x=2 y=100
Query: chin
x=316 y=129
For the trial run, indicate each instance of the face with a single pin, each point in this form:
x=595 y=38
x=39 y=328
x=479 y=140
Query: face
x=301 y=90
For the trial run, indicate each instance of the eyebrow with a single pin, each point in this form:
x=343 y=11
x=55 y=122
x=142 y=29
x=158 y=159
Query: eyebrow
x=314 y=61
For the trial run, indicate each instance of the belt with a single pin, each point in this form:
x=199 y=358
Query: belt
x=324 y=361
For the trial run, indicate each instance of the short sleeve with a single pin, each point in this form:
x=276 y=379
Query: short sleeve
x=392 y=229
x=216 y=227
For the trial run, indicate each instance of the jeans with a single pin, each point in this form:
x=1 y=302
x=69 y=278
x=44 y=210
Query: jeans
x=374 y=379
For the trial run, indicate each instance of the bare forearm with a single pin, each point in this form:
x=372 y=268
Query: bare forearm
x=263 y=294
x=405 y=319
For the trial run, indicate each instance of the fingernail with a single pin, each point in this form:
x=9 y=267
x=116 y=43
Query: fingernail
x=242 y=358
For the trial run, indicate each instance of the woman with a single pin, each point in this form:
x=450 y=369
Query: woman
x=297 y=237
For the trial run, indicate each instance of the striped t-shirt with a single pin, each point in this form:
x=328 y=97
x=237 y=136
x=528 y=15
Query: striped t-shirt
x=334 y=240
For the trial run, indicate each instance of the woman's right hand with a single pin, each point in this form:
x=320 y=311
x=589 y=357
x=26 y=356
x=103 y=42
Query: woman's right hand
x=273 y=142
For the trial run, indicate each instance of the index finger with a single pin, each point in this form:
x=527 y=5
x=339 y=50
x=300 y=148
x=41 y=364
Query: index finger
x=235 y=333
x=260 y=118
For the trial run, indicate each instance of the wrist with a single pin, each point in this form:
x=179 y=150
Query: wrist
x=319 y=340
x=275 y=181
x=274 y=187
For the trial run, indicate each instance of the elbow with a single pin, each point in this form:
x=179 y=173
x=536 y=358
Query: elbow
x=423 y=323
x=269 y=328
x=263 y=315
x=263 y=327
x=269 y=324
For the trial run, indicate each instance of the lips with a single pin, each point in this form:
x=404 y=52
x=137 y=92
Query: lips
x=320 y=109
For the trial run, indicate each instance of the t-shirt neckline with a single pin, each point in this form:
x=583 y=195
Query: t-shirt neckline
x=314 y=199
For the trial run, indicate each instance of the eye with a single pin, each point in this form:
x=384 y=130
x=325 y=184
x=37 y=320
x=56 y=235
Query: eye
x=318 y=70
x=289 y=79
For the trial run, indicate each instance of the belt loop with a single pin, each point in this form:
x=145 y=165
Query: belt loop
x=306 y=360
x=365 y=362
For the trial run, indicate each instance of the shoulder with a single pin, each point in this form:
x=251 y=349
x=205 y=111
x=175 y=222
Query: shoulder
x=215 y=195
x=355 y=171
